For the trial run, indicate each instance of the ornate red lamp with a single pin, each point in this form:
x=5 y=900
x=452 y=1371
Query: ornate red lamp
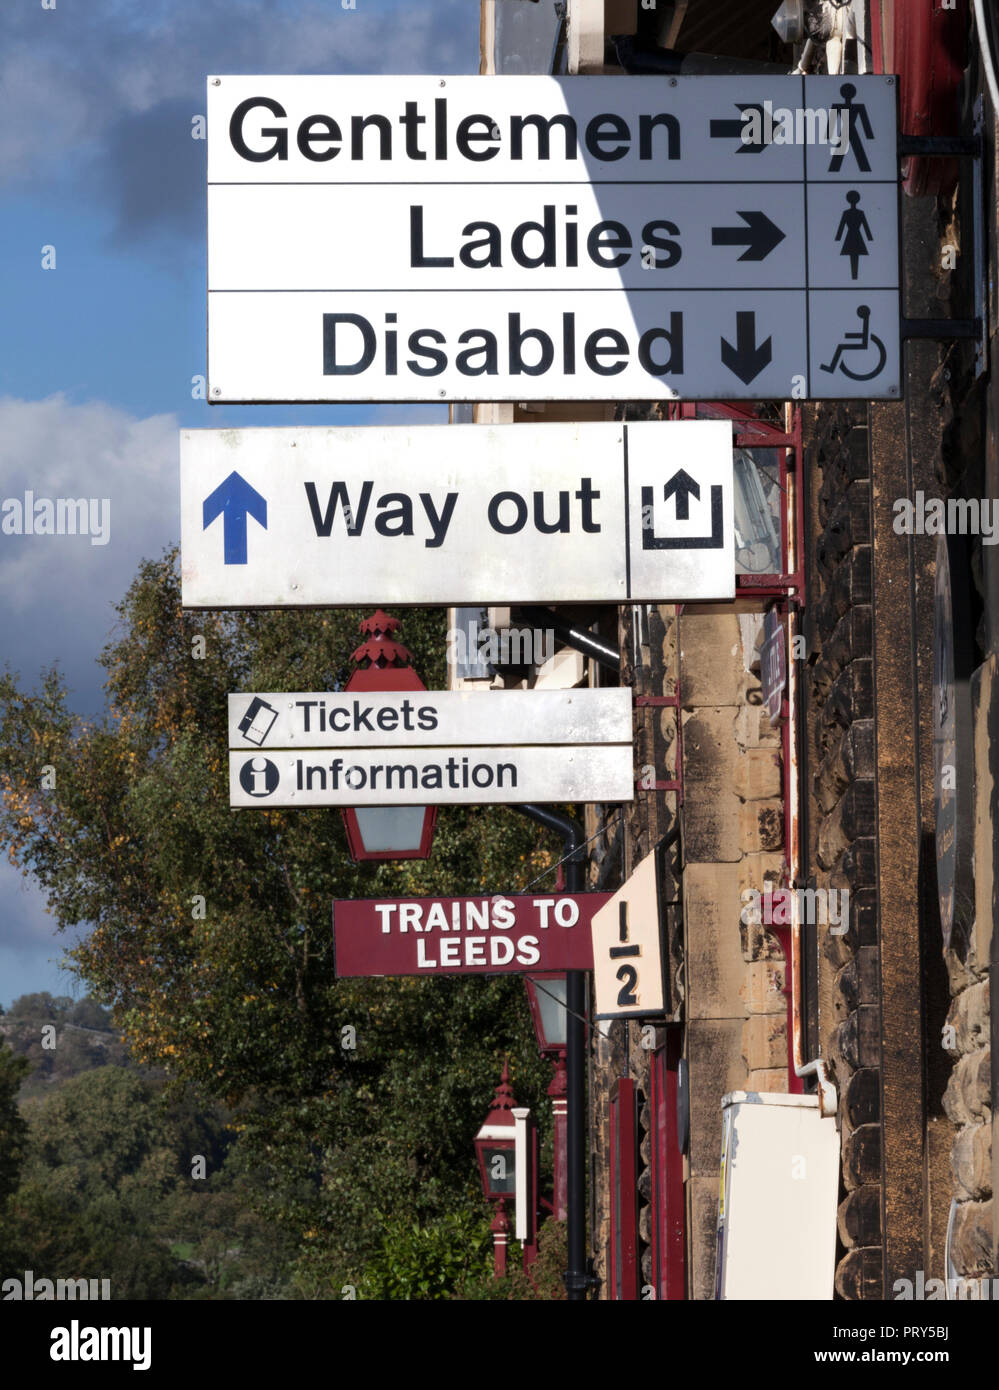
x=495 y=1148
x=386 y=832
x=546 y=996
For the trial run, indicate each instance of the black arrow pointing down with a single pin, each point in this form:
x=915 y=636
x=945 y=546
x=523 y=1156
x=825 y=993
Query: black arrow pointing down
x=747 y=359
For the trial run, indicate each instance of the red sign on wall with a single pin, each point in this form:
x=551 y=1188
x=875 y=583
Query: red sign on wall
x=486 y=935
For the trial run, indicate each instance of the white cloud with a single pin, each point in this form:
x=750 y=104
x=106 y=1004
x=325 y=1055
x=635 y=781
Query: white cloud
x=69 y=75
x=27 y=926
x=57 y=591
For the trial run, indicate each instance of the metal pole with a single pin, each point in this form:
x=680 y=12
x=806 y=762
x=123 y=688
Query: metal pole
x=577 y=1280
x=581 y=639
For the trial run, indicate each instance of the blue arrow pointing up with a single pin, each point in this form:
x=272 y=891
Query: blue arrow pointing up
x=235 y=499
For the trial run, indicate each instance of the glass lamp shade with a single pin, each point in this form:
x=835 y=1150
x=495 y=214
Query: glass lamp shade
x=390 y=832
x=497 y=1162
x=547 y=995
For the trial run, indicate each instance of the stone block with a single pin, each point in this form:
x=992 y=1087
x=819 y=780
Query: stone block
x=862 y=1156
x=769 y=1080
x=763 y=987
x=858 y=1039
x=761 y=825
x=757 y=774
x=711 y=829
x=858 y=980
x=714 y=965
x=716 y=1066
x=859 y=1216
x=859 y=1274
x=863 y=1097
x=760 y=871
x=971 y=1239
x=967 y=1095
x=969 y=1015
x=971 y=1162
x=985 y=700
x=753 y=728
x=764 y=1041
x=712 y=669
x=703 y=1193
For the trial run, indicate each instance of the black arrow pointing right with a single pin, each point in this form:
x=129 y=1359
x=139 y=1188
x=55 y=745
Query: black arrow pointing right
x=759 y=236
x=735 y=130
x=747 y=359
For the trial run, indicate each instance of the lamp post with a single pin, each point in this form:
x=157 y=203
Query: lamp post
x=546 y=995
x=577 y=1278
x=495 y=1147
x=386 y=832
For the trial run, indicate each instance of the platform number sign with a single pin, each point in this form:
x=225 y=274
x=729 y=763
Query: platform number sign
x=627 y=972
x=627 y=948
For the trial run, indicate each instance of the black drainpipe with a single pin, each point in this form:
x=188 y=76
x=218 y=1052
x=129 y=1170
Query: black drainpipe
x=577 y=1280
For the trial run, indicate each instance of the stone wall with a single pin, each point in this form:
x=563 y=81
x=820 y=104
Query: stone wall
x=840 y=727
x=736 y=1037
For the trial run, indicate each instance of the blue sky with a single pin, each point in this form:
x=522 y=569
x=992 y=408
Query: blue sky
x=97 y=355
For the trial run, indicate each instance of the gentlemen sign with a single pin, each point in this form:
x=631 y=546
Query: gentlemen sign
x=535 y=238
x=457 y=514
x=464 y=936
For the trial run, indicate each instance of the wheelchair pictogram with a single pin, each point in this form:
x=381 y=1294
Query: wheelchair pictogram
x=863 y=340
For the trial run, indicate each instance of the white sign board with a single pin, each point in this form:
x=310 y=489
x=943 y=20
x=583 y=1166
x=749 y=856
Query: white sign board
x=426 y=718
x=457 y=514
x=350 y=776
x=627 y=948
x=541 y=238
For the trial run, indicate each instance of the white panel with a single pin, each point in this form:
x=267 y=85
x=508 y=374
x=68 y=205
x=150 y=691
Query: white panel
x=781 y=1184
x=586 y=237
x=603 y=345
x=657 y=237
x=429 y=718
x=627 y=948
x=408 y=777
x=456 y=514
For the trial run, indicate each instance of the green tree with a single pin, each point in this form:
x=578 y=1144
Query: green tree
x=13 y=1130
x=428 y=1262
x=60 y=1038
x=242 y=1000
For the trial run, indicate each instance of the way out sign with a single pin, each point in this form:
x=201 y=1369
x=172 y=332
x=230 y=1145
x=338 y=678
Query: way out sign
x=457 y=514
x=627 y=948
x=540 y=238
x=486 y=935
